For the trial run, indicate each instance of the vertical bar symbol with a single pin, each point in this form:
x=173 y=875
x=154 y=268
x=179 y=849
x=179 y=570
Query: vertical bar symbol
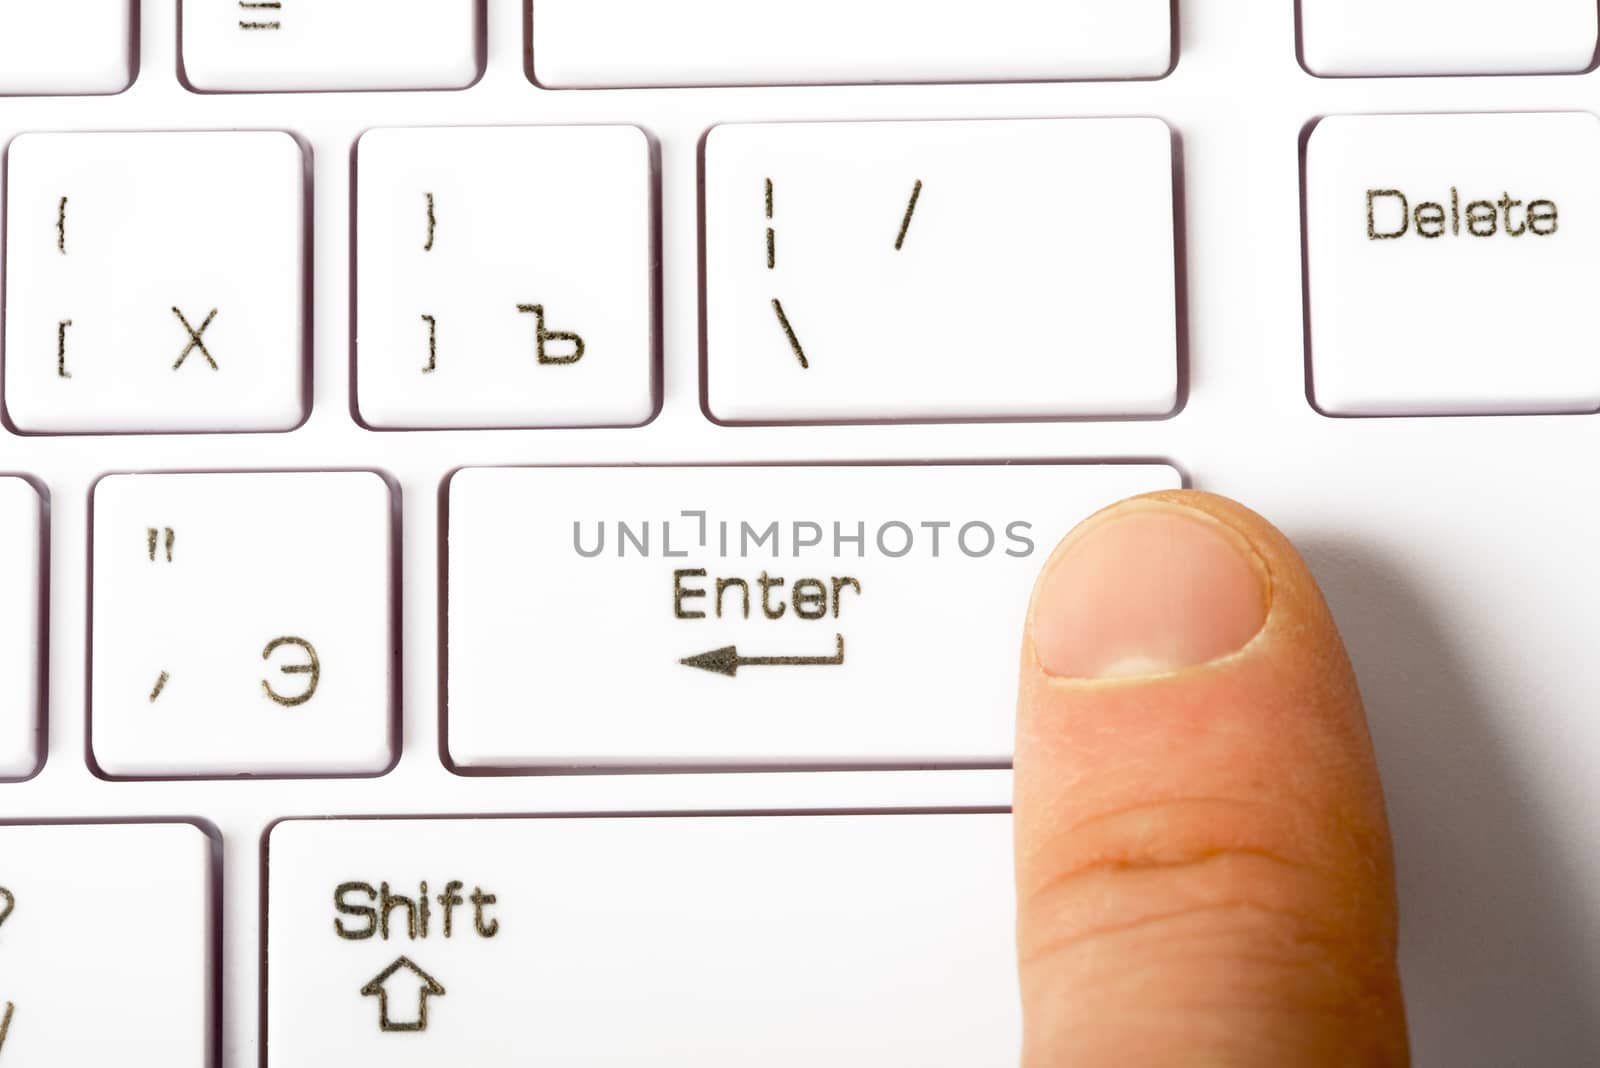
x=772 y=238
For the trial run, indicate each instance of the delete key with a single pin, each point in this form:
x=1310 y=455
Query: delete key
x=1451 y=261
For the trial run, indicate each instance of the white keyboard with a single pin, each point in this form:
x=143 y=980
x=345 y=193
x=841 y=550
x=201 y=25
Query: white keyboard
x=515 y=520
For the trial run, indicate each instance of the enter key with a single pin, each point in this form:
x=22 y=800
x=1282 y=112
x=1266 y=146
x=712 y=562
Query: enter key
x=844 y=616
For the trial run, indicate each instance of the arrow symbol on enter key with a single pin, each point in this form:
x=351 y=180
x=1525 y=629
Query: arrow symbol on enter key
x=727 y=661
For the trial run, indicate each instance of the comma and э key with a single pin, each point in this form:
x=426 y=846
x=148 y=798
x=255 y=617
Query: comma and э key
x=1390 y=215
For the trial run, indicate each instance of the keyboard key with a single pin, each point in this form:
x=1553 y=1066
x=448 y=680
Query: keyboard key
x=65 y=46
x=242 y=624
x=154 y=282
x=283 y=45
x=1376 y=37
x=20 y=531
x=940 y=270
x=105 y=946
x=586 y=43
x=783 y=941
x=749 y=616
x=505 y=277
x=1452 y=262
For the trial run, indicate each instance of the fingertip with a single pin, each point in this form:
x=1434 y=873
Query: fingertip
x=1190 y=744
x=1152 y=586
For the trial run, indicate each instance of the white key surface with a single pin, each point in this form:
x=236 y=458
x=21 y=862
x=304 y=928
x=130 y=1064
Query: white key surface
x=713 y=941
x=282 y=45
x=577 y=594
x=940 y=270
x=1452 y=262
x=154 y=282
x=105 y=946
x=506 y=277
x=1379 y=37
x=20 y=577
x=65 y=46
x=586 y=43
x=242 y=624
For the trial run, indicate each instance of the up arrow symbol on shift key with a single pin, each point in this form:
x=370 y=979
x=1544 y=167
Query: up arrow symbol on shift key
x=405 y=976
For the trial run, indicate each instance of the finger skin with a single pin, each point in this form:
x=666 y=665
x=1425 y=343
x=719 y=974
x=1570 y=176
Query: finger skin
x=1203 y=862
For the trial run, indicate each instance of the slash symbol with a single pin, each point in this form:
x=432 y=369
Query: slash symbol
x=911 y=208
x=727 y=661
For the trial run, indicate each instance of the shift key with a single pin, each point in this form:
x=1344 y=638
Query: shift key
x=707 y=941
x=834 y=616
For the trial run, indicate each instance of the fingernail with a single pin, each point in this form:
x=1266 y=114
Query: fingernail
x=1149 y=588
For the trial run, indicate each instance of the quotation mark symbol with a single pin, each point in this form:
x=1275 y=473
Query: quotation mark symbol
x=152 y=536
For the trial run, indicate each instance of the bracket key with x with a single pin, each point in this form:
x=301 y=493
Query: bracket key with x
x=112 y=324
